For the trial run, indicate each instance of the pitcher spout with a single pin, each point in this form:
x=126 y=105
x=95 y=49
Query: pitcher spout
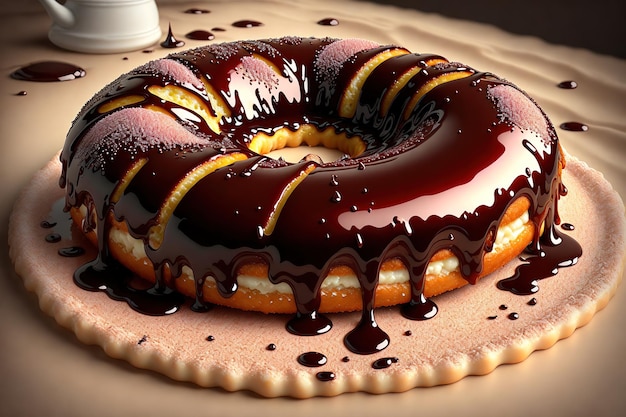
x=60 y=14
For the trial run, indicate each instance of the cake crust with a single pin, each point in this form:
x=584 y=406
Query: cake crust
x=333 y=300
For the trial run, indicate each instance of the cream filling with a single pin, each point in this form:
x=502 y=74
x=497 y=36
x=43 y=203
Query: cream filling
x=504 y=236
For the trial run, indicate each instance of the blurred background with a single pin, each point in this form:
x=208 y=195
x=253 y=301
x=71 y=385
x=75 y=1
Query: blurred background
x=598 y=25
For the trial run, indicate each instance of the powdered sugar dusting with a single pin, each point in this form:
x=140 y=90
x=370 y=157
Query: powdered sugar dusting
x=174 y=70
x=258 y=70
x=332 y=58
x=256 y=86
x=134 y=130
x=515 y=107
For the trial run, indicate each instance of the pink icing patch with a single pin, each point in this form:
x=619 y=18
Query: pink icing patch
x=334 y=55
x=259 y=71
x=175 y=70
x=134 y=130
x=515 y=107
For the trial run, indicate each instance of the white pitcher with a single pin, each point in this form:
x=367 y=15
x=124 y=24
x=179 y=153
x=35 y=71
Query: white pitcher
x=103 y=26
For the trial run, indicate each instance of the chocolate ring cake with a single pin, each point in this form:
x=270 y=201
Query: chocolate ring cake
x=448 y=174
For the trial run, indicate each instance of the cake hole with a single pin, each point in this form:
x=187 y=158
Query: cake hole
x=304 y=152
x=308 y=143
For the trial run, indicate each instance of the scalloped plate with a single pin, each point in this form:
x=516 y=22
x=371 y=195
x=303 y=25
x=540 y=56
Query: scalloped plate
x=458 y=342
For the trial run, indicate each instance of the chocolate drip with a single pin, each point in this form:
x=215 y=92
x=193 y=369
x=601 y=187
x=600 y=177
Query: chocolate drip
x=325 y=376
x=312 y=359
x=373 y=209
x=557 y=251
x=49 y=71
x=568 y=85
x=114 y=281
x=195 y=10
x=246 y=24
x=45 y=224
x=171 y=41
x=72 y=251
x=311 y=324
x=574 y=126
x=329 y=21
x=383 y=363
x=200 y=35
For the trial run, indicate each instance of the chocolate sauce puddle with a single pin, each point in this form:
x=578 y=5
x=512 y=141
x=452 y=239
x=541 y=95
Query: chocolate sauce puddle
x=49 y=71
x=200 y=35
x=309 y=324
x=196 y=10
x=559 y=252
x=574 y=126
x=171 y=41
x=384 y=363
x=329 y=21
x=366 y=338
x=114 y=281
x=247 y=24
x=71 y=252
x=325 y=376
x=568 y=85
x=312 y=359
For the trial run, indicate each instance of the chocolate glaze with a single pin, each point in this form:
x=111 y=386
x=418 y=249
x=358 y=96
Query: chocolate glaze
x=49 y=71
x=46 y=224
x=114 y=281
x=395 y=200
x=72 y=251
x=325 y=376
x=195 y=10
x=383 y=363
x=555 y=251
x=53 y=238
x=329 y=21
x=200 y=35
x=568 y=85
x=574 y=126
x=312 y=359
x=246 y=23
x=171 y=41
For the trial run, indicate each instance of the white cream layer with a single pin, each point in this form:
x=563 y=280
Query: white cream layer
x=504 y=236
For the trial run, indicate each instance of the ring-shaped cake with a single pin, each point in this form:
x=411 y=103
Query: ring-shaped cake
x=448 y=174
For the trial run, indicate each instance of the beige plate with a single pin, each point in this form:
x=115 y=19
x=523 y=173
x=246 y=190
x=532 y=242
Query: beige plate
x=459 y=341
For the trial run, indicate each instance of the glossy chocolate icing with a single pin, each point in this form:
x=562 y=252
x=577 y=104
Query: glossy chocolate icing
x=441 y=179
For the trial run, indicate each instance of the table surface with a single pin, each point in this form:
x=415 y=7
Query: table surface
x=47 y=371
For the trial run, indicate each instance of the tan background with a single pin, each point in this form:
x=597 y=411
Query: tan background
x=46 y=371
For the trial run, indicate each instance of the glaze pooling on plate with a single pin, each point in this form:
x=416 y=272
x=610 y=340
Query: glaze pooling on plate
x=229 y=348
x=424 y=173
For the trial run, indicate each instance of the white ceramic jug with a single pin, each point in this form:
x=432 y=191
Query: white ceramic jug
x=103 y=26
